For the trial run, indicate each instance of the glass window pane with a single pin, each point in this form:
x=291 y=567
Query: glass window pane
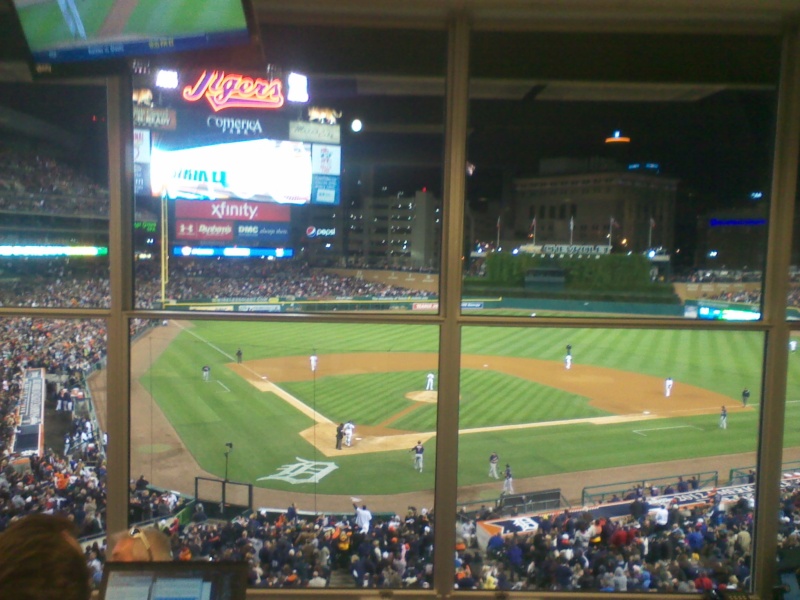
x=53 y=421
x=561 y=430
x=321 y=192
x=632 y=185
x=53 y=196
x=242 y=418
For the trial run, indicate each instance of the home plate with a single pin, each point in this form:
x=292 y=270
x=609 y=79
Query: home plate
x=484 y=366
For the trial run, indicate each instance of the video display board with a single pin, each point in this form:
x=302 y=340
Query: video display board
x=229 y=162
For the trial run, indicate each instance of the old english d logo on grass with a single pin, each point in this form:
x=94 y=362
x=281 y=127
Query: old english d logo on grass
x=303 y=471
x=235 y=91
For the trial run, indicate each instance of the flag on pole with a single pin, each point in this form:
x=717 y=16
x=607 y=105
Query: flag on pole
x=614 y=223
x=571 y=223
x=652 y=223
x=498 y=223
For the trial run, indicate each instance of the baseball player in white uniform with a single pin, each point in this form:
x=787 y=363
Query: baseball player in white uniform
x=429 y=381
x=313 y=360
x=206 y=372
x=568 y=361
x=668 y=386
x=349 y=428
x=494 y=459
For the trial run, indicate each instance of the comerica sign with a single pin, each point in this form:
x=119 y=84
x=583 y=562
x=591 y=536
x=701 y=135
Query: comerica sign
x=235 y=91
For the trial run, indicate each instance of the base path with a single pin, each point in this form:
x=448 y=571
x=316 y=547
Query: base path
x=118 y=17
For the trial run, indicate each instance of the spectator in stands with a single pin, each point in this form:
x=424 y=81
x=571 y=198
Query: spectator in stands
x=40 y=559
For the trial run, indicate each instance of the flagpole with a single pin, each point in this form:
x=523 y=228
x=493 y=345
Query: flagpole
x=610 y=225
x=497 y=247
x=571 y=228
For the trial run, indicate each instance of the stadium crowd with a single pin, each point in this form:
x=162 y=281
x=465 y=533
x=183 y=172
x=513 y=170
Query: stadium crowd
x=33 y=182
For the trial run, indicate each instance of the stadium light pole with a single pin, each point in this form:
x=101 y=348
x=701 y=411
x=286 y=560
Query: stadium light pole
x=229 y=446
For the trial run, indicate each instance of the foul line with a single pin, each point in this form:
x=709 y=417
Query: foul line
x=639 y=431
x=227 y=389
x=267 y=386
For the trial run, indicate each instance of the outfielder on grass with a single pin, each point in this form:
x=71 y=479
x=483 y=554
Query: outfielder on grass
x=419 y=451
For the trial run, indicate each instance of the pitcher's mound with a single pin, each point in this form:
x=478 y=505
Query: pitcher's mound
x=423 y=396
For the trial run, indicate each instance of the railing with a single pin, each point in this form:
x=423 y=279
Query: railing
x=598 y=494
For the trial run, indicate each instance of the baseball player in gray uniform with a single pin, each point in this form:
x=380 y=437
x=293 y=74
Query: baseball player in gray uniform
x=419 y=451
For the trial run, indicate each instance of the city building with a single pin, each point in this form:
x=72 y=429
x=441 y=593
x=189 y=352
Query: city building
x=595 y=202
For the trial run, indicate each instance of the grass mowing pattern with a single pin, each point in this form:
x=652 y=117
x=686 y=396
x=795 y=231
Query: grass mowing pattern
x=180 y=17
x=377 y=396
x=262 y=426
x=46 y=25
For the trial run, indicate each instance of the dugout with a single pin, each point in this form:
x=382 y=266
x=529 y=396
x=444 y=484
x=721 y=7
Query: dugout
x=532 y=501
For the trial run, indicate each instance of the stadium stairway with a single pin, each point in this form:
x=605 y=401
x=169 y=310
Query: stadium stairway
x=340 y=579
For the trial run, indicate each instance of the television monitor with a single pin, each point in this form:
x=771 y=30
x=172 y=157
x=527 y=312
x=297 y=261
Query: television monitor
x=92 y=36
x=192 y=580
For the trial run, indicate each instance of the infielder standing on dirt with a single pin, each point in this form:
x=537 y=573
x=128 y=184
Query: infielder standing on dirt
x=429 y=382
x=568 y=361
x=419 y=451
x=668 y=386
x=494 y=459
x=314 y=360
x=508 y=484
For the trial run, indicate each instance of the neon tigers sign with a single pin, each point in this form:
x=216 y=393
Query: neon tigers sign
x=235 y=91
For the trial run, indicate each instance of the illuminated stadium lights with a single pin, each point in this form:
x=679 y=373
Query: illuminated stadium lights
x=617 y=138
x=167 y=79
x=28 y=251
x=357 y=126
x=298 y=88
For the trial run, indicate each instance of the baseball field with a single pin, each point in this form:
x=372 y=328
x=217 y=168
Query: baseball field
x=117 y=20
x=517 y=398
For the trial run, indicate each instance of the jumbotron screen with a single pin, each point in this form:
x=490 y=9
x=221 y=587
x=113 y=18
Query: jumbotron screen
x=230 y=162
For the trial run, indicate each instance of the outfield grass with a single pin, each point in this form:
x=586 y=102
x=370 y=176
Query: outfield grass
x=206 y=415
x=45 y=25
x=169 y=19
